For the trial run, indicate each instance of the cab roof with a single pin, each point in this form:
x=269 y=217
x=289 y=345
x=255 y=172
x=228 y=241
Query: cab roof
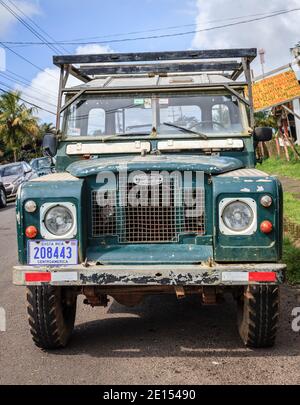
x=144 y=81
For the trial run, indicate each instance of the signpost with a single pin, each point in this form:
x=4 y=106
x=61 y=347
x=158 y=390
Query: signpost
x=275 y=90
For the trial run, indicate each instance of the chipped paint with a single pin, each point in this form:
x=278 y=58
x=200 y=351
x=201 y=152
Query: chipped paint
x=245 y=190
x=157 y=275
x=260 y=189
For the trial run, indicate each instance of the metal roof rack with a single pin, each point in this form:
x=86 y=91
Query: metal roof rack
x=88 y=67
x=135 y=63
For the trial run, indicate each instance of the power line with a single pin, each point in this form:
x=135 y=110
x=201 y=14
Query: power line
x=34 y=98
x=21 y=80
x=164 y=35
x=25 y=59
x=35 y=24
x=31 y=29
x=28 y=102
x=165 y=28
x=38 y=90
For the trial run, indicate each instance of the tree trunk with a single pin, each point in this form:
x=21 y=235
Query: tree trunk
x=15 y=156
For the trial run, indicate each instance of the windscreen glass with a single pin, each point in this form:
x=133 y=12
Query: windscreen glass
x=95 y=115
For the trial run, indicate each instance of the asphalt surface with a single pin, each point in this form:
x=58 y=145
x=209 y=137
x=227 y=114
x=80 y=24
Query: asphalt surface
x=162 y=341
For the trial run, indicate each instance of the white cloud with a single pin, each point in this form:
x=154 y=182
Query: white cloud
x=7 y=20
x=93 y=49
x=43 y=90
x=276 y=35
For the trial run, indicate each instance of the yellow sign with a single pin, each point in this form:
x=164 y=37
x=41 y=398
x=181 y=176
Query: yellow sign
x=275 y=90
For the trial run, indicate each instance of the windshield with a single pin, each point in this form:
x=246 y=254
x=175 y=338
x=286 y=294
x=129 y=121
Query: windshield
x=40 y=163
x=11 y=171
x=97 y=115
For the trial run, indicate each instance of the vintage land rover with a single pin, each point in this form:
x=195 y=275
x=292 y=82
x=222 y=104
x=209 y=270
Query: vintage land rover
x=155 y=191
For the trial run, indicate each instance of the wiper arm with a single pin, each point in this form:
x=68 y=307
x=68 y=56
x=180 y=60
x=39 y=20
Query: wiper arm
x=107 y=138
x=134 y=134
x=189 y=131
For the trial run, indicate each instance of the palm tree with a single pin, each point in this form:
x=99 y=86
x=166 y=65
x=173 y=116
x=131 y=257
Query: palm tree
x=47 y=128
x=18 y=125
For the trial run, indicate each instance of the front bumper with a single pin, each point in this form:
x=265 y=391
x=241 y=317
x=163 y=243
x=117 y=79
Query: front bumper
x=11 y=193
x=152 y=275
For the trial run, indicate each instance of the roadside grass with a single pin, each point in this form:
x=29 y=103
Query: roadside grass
x=291 y=208
x=281 y=167
x=291 y=257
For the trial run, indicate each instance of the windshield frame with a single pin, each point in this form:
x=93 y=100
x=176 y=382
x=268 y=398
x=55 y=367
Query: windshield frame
x=159 y=93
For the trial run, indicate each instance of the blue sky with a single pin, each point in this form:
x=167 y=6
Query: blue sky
x=70 y=19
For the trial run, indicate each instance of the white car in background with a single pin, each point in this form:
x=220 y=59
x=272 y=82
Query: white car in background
x=13 y=175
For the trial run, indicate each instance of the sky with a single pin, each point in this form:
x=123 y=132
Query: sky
x=115 y=20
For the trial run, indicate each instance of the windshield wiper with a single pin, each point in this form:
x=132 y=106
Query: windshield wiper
x=134 y=134
x=189 y=131
x=109 y=137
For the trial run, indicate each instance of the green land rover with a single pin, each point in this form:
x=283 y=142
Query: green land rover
x=155 y=191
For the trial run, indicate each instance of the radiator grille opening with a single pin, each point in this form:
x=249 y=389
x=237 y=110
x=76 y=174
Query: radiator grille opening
x=151 y=214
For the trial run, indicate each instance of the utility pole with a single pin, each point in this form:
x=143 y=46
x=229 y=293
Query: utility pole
x=262 y=54
x=296 y=103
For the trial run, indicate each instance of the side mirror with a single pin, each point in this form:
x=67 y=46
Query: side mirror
x=263 y=134
x=49 y=145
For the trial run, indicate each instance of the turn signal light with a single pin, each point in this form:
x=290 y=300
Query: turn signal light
x=31 y=232
x=266 y=227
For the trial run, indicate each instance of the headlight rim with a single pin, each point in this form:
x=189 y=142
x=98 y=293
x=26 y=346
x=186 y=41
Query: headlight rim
x=46 y=233
x=249 y=230
x=48 y=212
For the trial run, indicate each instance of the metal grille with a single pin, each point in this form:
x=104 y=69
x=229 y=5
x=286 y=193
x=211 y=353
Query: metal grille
x=151 y=214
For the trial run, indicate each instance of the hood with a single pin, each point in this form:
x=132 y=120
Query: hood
x=10 y=179
x=208 y=164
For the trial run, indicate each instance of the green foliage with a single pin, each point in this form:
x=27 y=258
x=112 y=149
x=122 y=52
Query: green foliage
x=265 y=119
x=18 y=125
x=20 y=133
x=292 y=207
x=281 y=167
x=291 y=256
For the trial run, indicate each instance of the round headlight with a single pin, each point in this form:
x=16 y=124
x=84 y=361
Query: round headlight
x=237 y=216
x=59 y=220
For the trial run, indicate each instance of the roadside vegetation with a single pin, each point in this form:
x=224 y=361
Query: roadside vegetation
x=281 y=167
x=292 y=208
x=291 y=253
x=21 y=133
x=291 y=256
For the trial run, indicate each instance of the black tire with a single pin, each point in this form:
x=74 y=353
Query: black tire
x=51 y=315
x=258 y=315
x=3 y=199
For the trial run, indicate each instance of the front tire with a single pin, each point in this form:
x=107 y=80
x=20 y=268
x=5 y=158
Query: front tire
x=51 y=312
x=258 y=315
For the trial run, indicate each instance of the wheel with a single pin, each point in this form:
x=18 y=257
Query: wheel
x=51 y=312
x=258 y=315
x=3 y=200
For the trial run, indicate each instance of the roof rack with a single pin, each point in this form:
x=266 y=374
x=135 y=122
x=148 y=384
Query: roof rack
x=87 y=67
x=135 y=63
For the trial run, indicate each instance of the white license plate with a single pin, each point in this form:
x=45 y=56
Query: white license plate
x=52 y=252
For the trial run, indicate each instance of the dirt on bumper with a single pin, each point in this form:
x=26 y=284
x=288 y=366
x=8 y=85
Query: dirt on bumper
x=155 y=275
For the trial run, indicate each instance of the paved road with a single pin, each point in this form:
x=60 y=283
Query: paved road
x=163 y=341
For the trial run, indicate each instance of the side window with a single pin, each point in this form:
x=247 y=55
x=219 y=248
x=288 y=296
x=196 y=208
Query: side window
x=96 y=122
x=221 y=117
